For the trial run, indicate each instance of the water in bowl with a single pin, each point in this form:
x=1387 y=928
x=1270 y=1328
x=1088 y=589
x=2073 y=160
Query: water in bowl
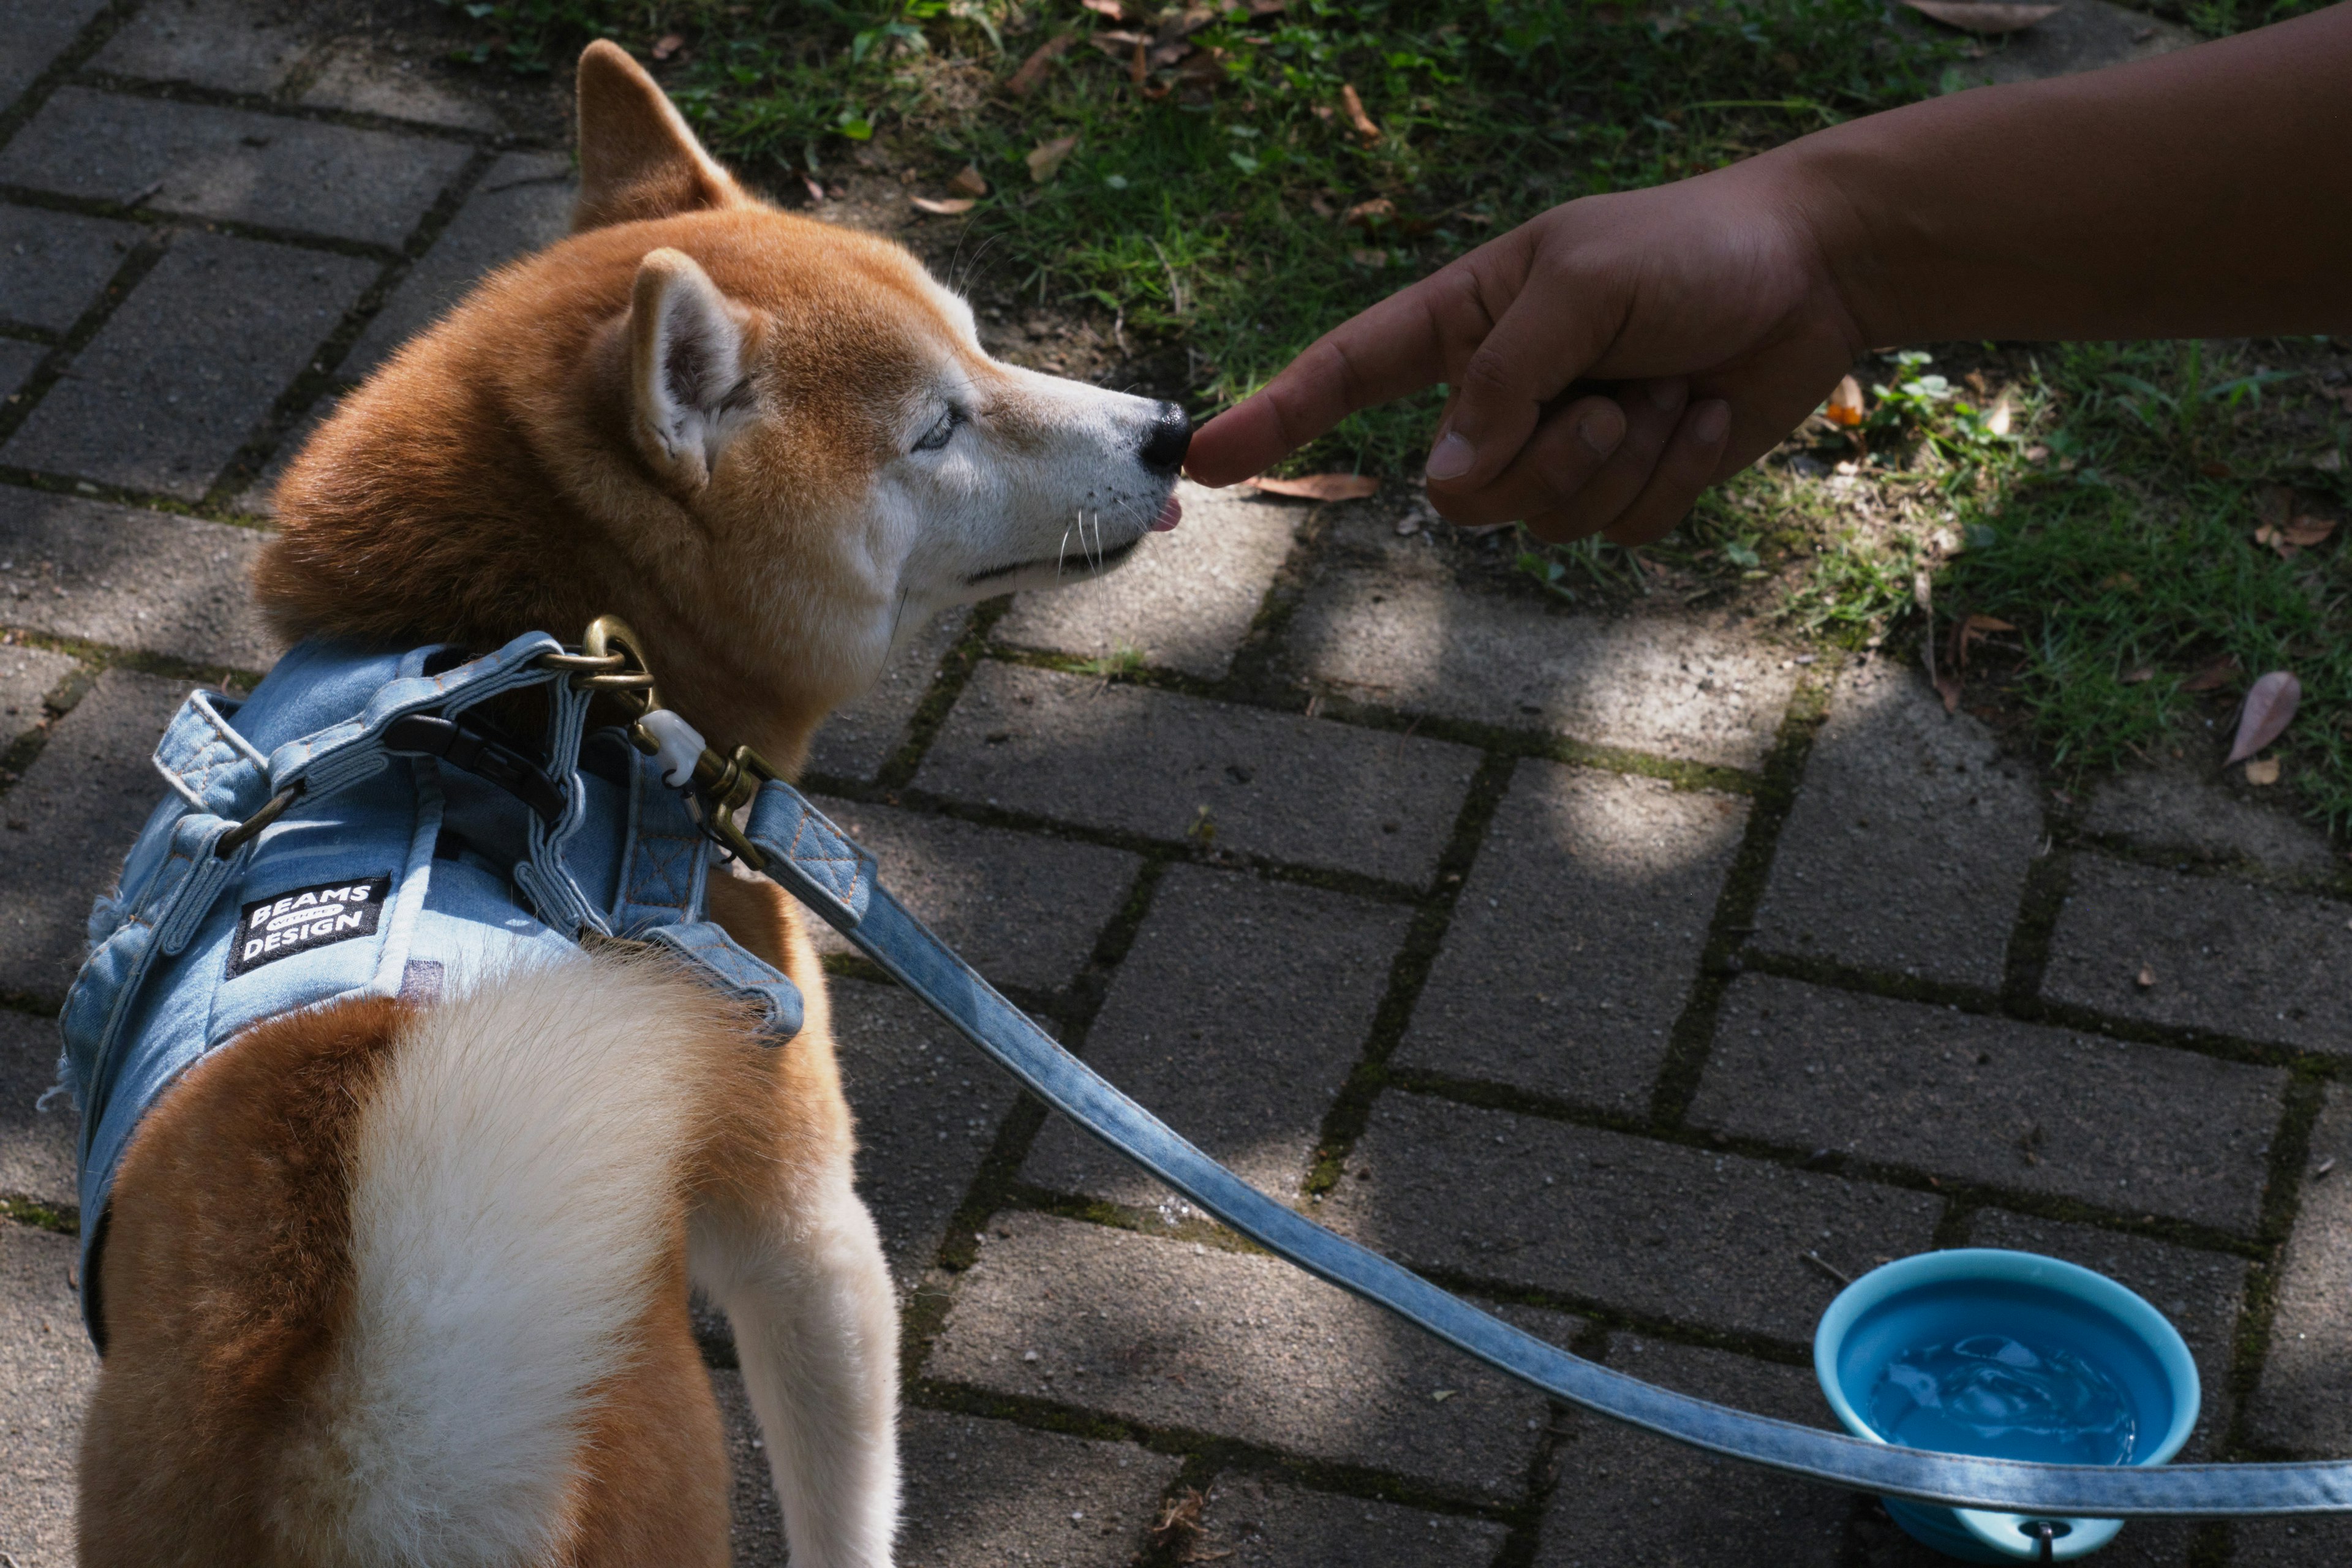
x=1991 y=1394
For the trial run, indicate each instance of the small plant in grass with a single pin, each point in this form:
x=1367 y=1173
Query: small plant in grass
x=1121 y=662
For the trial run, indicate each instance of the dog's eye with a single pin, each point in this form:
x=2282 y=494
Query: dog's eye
x=938 y=434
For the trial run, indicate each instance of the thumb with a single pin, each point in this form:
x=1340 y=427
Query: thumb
x=1543 y=342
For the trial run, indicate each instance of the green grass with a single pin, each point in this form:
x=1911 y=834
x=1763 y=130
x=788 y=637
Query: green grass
x=2118 y=532
x=1207 y=206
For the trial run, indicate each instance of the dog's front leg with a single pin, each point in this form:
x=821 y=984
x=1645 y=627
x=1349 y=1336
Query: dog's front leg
x=816 y=1333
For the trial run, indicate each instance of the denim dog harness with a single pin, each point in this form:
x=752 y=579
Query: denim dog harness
x=352 y=829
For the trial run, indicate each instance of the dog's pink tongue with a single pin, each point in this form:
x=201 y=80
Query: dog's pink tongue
x=1170 y=516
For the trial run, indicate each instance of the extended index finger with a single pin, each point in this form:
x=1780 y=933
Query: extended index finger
x=1416 y=337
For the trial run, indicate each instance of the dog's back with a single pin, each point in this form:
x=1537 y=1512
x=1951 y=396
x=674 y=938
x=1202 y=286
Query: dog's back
x=385 y=1284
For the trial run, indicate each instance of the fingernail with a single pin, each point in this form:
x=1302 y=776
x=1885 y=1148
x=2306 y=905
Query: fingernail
x=1666 y=396
x=1712 y=421
x=1601 y=430
x=1451 y=457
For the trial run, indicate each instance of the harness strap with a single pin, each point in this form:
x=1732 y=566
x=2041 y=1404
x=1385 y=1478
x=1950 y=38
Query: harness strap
x=728 y=966
x=821 y=865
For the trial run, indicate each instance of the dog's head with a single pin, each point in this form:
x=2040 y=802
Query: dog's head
x=774 y=439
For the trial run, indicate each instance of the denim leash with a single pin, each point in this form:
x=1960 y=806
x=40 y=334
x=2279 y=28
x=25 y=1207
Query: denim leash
x=812 y=858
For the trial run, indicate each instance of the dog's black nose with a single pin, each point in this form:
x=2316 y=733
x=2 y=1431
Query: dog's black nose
x=1165 y=442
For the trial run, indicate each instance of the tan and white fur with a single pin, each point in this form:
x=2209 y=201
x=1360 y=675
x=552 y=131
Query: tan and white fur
x=389 y=1285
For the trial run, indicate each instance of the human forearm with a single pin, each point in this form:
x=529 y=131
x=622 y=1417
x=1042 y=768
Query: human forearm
x=2205 y=193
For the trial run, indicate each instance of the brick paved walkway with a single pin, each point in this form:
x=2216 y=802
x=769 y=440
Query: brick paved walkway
x=1636 y=975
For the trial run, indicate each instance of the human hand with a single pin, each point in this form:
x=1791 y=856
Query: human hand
x=1608 y=360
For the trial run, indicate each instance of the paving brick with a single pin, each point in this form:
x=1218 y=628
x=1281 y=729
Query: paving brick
x=235 y=46
x=2179 y=810
x=928 y=1107
x=128 y=578
x=1261 y=1523
x=1023 y=908
x=2140 y=1128
x=81 y=803
x=37 y=32
x=37 y=1147
x=1897 y=792
x=2303 y=1402
x=361 y=75
x=215 y=163
x=1275 y=984
x=2201 y=1292
x=179 y=377
x=861 y=736
x=1177 y=1335
x=1117 y=757
x=1573 y=944
x=1384 y=622
x=26 y=675
x=1185 y=601
x=17 y=361
x=522 y=203
x=2224 y=956
x=258 y=498
x=979 y=1493
x=2322 y=1542
x=1625 y=1497
x=1694 y=1236
x=52 y=265
x=47 y=1370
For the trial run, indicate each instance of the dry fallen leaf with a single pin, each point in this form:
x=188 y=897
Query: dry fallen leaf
x=1354 y=105
x=1365 y=258
x=1045 y=158
x=2270 y=708
x=2001 y=416
x=2307 y=530
x=1180 y=1521
x=948 y=208
x=668 y=44
x=1110 y=8
x=1971 y=16
x=970 y=181
x=815 y=191
x=2214 y=676
x=2262 y=771
x=1844 y=406
x=1320 y=487
x=1365 y=212
x=1023 y=82
x=2144 y=673
x=2146 y=978
x=1973 y=630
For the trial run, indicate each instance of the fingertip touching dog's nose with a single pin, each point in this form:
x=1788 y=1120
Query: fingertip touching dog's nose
x=1165 y=442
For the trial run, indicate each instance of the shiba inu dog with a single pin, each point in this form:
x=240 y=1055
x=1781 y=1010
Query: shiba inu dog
x=405 y=1281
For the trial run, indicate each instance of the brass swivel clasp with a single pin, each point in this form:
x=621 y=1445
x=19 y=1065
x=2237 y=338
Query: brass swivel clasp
x=611 y=660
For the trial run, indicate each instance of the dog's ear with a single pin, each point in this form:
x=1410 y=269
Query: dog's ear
x=689 y=387
x=637 y=158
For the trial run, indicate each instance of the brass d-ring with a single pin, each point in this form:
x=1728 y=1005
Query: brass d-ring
x=609 y=635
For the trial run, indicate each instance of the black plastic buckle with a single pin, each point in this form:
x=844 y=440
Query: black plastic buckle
x=427 y=735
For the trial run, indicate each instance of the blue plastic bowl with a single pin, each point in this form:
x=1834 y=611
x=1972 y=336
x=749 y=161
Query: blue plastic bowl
x=1936 y=1298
